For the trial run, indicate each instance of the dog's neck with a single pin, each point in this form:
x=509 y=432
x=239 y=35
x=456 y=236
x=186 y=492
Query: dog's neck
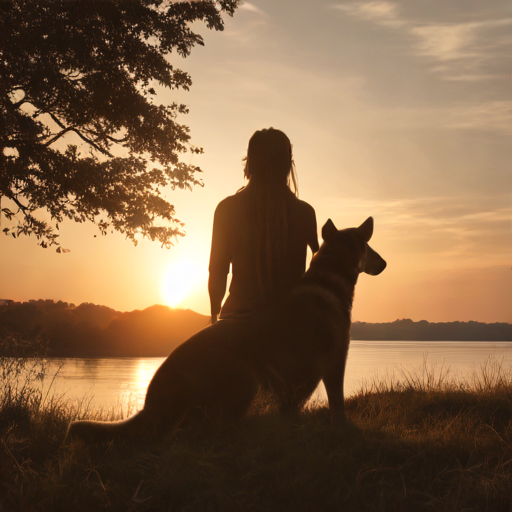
x=341 y=284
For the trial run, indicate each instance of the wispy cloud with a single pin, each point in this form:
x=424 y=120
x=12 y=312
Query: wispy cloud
x=445 y=42
x=250 y=27
x=383 y=13
x=246 y=6
x=454 y=41
x=442 y=42
x=449 y=228
x=491 y=114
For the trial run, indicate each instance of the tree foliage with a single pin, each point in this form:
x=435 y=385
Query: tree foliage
x=82 y=134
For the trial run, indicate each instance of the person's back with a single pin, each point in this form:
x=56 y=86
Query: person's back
x=263 y=231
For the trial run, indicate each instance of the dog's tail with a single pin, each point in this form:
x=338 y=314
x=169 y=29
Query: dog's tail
x=140 y=424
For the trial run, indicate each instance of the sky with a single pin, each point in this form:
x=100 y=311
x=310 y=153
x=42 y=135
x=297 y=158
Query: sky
x=398 y=110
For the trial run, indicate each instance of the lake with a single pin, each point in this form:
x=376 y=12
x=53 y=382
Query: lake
x=122 y=381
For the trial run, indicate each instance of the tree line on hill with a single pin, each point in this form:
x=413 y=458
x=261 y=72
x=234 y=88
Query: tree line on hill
x=89 y=330
x=407 y=330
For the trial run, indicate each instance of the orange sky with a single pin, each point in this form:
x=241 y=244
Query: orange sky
x=399 y=110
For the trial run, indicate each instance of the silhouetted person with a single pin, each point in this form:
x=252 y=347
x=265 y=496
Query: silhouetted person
x=263 y=231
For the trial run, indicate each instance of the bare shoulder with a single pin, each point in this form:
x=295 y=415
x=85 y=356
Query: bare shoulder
x=227 y=205
x=305 y=210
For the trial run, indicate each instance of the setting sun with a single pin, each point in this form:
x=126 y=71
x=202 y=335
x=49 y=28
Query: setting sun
x=179 y=281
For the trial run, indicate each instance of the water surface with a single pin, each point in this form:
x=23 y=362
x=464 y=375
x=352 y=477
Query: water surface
x=122 y=381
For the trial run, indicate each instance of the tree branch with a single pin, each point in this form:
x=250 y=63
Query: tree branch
x=81 y=135
x=113 y=139
x=57 y=137
x=22 y=207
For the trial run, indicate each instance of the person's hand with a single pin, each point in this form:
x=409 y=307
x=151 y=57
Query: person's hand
x=213 y=319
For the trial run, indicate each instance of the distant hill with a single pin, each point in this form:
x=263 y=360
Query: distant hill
x=89 y=330
x=158 y=329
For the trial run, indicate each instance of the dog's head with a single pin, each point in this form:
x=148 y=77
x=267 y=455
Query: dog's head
x=350 y=246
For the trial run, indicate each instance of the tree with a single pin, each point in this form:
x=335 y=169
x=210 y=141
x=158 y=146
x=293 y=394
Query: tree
x=82 y=135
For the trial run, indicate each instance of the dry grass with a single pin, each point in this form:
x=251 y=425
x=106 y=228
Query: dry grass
x=419 y=442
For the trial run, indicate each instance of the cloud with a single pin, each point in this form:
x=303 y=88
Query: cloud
x=483 y=115
x=490 y=114
x=383 y=13
x=447 y=42
x=455 y=41
x=460 y=231
x=246 y=6
x=467 y=46
x=468 y=77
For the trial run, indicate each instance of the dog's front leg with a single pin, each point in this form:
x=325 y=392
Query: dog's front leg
x=333 y=381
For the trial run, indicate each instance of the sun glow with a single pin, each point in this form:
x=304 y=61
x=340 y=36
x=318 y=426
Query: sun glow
x=179 y=281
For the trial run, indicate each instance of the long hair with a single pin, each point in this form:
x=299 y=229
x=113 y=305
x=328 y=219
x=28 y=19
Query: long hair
x=270 y=170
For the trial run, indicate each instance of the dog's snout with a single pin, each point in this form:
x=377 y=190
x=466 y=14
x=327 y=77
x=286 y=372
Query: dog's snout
x=374 y=263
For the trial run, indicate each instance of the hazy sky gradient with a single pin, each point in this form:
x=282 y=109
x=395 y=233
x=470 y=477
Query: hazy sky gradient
x=399 y=110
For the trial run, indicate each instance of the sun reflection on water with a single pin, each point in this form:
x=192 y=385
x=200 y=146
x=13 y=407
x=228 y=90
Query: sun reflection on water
x=133 y=391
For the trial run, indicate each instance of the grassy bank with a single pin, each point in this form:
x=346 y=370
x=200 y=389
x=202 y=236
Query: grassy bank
x=423 y=444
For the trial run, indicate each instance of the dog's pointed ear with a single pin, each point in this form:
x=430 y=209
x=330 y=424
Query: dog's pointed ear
x=329 y=230
x=366 y=229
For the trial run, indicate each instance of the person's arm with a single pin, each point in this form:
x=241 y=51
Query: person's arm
x=217 y=290
x=219 y=263
x=312 y=231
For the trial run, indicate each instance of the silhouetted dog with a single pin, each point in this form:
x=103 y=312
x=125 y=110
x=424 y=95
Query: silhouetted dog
x=286 y=351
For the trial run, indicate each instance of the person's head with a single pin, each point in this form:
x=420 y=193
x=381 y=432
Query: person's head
x=269 y=161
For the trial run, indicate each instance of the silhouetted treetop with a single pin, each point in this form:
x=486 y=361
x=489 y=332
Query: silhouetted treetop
x=82 y=134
